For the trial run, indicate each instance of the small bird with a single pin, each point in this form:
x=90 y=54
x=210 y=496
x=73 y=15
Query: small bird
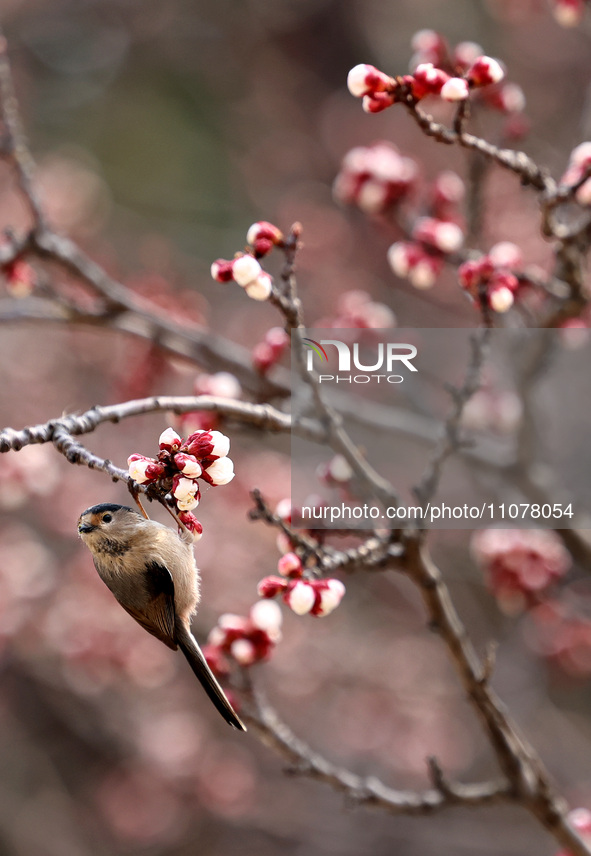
x=152 y=573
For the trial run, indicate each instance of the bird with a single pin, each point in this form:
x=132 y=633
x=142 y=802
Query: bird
x=152 y=573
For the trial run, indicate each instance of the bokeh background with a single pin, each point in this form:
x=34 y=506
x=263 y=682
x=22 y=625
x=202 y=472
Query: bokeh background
x=161 y=131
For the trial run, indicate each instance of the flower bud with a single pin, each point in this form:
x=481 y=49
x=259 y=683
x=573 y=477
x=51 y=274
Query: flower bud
x=568 y=13
x=506 y=254
x=261 y=288
x=192 y=524
x=290 y=565
x=484 y=71
x=271 y=586
x=263 y=231
x=428 y=80
x=186 y=492
x=243 y=651
x=220 y=472
x=455 y=89
x=364 y=79
x=208 y=444
x=500 y=298
x=245 y=270
x=170 y=441
x=378 y=102
x=188 y=465
x=222 y=270
x=266 y=615
x=142 y=469
x=329 y=594
x=300 y=597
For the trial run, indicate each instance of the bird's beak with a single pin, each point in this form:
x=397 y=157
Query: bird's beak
x=85 y=528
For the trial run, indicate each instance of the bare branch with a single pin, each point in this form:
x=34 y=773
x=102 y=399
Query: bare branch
x=360 y=791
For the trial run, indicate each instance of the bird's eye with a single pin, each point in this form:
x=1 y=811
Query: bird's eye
x=107 y=518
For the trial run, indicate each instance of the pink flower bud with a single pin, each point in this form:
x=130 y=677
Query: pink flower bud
x=278 y=339
x=500 y=298
x=484 y=71
x=378 y=102
x=443 y=235
x=188 y=465
x=261 y=288
x=142 y=469
x=329 y=595
x=243 y=651
x=466 y=53
x=271 y=586
x=208 y=444
x=290 y=565
x=428 y=80
x=448 y=188
x=364 y=79
x=192 y=524
x=186 y=493
x=300 y=597
x=568 y=13
x=455 y=89
x=266 y=615
x=170 y=441
x=262 y=230
x=423 y=274
x=222 y=270
x=263 y=357
x=220 y=472
x=283 y=510
x=340 y=470
x=506 y=254
x=245 y=270
x=222 y=384
x=399 y=259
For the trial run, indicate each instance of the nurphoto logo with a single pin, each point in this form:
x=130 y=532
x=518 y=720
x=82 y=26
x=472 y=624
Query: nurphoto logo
x=388 y=356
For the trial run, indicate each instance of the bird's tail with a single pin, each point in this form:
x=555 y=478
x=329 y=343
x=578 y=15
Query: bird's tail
x=188 y=645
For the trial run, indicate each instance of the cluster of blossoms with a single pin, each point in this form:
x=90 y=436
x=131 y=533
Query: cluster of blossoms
x=268 y=352
x=375 y=178
x=355 y=310
x=379 y=91
x=420 y=260
x=568 y=13
x=490 y=280
x=303 y=596
x=520 y=564
x=245 y=269
x=19 y=278
x=431 y=48
x=433 y=237
x=245 y=640
x=579 y=166
x=180 y=465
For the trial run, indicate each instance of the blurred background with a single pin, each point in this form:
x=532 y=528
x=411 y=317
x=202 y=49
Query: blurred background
x=161 y=132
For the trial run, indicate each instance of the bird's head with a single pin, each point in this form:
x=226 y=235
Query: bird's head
x=107 y=522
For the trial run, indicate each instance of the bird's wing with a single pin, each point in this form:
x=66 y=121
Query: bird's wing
x=157 y=613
